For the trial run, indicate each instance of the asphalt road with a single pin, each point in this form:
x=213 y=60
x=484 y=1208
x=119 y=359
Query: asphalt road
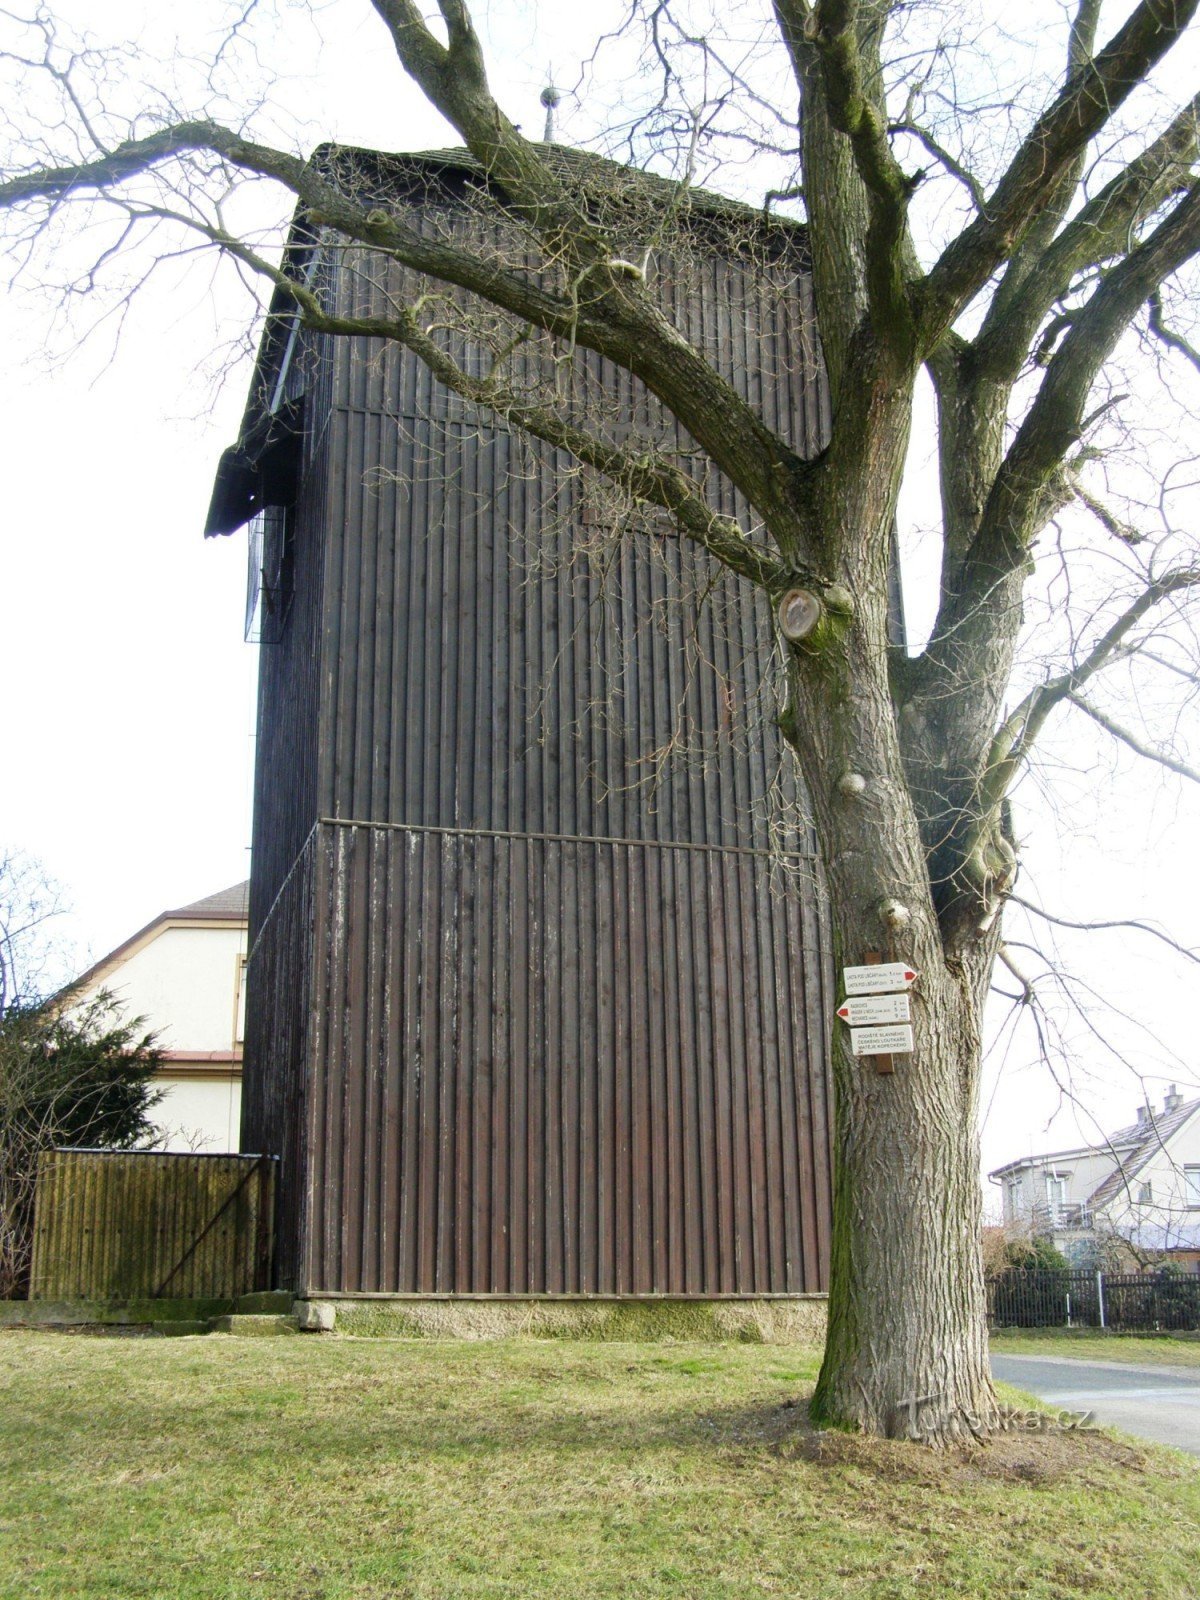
x=1156 y=1403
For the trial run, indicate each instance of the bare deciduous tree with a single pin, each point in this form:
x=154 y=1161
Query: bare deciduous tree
x=1079 y=214
x=67 y=1076
x=29 y=903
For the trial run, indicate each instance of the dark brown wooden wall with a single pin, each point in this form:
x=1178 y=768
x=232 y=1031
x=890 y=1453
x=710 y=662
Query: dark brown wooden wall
x=498 y=655
x=566 y=1068
x=479 y=679
x=278 y=1053
x=563 y=978
x=289 y=687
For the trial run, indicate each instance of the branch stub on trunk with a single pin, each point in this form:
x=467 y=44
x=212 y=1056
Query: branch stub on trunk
x=799 y=612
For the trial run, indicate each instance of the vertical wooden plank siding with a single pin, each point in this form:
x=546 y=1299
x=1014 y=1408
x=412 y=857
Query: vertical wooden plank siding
x=673 y=1219
x=289 y=728
x=281 y=1039
x=125 y=1225
x=538 y=981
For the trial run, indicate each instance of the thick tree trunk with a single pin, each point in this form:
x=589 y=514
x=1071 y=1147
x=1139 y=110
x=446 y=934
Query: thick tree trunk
x=907 y=1348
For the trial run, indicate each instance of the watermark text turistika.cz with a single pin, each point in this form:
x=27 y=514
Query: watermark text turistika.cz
x=1013 y=1419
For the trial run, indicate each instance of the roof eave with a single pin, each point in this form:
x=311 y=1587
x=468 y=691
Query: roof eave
x=233 y=499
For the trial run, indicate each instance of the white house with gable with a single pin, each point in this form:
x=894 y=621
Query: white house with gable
x=183 y=974
x=1137 y=1194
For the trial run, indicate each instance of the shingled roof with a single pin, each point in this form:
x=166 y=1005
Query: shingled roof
x=227 y=905
x=1142 y=1141
x=224 y=906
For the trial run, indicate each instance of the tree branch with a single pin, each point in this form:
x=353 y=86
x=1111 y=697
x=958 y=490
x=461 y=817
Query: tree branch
x=1055 y=420
x=1099 y=926
x=1006 y=958
x=854 y=109
x=1104 y=516
x=943 y=157
x=832 y=27
x=835 y=199
x=1136 y=744
x=135 y=156
x=1100 y=231
x=1014 y=739
x=1172 y=340
x=1085 y=104
x=1029 y=253
x=974 y=381
x=642 y=474
x=617 y=319
x=454 y=79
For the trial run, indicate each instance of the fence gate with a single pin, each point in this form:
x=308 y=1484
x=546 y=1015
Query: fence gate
x=148 y=1224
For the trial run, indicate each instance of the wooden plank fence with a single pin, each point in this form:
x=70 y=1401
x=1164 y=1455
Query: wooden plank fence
x=142 y=1224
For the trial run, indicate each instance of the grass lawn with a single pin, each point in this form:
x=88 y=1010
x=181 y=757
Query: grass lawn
x=323 y=1468
x=1094 y=1344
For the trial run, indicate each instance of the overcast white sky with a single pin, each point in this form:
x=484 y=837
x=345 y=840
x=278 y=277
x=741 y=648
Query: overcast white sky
x=128 y=716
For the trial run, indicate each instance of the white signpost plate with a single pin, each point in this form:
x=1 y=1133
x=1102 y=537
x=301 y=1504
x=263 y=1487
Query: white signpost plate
x=894 y=1041
x=869 y=1009
x=885 y=978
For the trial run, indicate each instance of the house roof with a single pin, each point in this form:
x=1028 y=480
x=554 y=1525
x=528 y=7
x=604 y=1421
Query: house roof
x=227 y=905
x=1116 y=1145
x=599 y=180
x=1145 y=1141
x=612 y=191
x=1130 y=1149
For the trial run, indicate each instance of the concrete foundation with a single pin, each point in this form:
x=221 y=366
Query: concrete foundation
x=798 y=1320
x=113 y=1313
x=793 y=1320
x=255 y=1325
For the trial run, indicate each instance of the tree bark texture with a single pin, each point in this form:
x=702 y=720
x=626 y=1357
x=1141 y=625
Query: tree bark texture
x=907 y=1350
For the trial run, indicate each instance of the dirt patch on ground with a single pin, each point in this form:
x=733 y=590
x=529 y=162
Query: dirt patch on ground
x=1042 y=1454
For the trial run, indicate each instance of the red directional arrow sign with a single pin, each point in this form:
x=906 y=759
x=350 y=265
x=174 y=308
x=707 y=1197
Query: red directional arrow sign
x=886 y=977
x=864 y=1011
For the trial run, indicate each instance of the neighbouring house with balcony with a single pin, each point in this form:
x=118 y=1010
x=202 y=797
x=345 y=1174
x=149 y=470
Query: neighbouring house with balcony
x=1131 y=1201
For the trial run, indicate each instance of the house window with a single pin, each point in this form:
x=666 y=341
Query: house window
x=1191 y=1185
x=1145 y=1193
x=1056 y=1190
x=239 y=1010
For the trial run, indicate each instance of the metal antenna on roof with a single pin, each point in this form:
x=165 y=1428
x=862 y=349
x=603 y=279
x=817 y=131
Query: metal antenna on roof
x=550 y=98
